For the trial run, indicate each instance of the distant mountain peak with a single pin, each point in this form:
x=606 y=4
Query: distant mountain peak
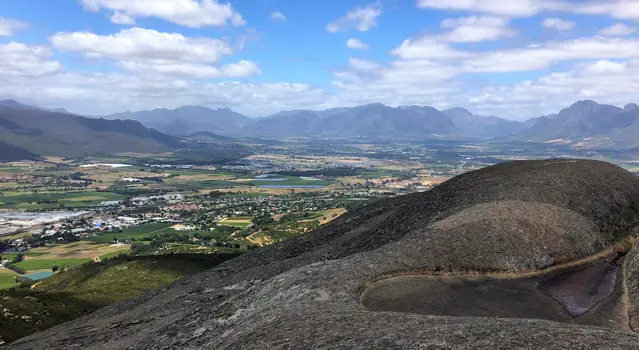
x=13 y=104
x=630 y=107
x=588 y=104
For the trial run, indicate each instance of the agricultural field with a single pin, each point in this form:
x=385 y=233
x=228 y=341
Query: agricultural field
x=43 y=264
x=67 y=255
x=57 y=199
x=155 y=229
x=7 y=278
x=241 y=222
x=291 y=181
x=15 y=236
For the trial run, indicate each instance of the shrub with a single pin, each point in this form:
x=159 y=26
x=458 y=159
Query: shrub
x=15 y=268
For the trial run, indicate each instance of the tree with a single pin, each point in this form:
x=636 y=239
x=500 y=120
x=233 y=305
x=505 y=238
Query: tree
x=18 y=258
x=55 y=268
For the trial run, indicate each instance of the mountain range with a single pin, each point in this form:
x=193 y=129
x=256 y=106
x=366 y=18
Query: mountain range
x=28 y=131
x=583 y=124
x=187 y=120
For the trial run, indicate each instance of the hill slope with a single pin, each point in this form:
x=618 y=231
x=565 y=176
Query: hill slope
x=82 y=290
x=57 y=134
x=519 y=218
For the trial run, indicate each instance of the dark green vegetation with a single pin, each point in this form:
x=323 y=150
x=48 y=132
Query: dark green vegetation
x=79 y=291
x=9 y=152
x=513 y=220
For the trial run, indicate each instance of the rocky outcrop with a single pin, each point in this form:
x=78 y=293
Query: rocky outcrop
x=506 y=221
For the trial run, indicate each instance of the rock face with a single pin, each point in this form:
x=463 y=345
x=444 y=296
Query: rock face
x=532 y=220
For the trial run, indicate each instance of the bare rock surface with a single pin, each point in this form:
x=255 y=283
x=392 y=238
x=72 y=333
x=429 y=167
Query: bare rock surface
x=512 y=218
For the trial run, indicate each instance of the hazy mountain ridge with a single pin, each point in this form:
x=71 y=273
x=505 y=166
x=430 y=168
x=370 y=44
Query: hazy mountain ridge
x=589 y=124
x=491 y=127
x=187 y=120
x=31 y=131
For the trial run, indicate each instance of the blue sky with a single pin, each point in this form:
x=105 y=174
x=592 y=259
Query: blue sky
x=511 y=58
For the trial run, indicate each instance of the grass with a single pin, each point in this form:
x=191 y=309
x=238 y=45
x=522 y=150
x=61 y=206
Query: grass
x=80 y=291
x=27 y=254
x=115 y=254
x=16 y=236
x=41 y=264
x=7 y=278
x=204 y=185
x=290 y=181
x=73 y=293
x=154 y=229
x=78 y=250
x=12 y=170
x=69 y=199
x=137 y=232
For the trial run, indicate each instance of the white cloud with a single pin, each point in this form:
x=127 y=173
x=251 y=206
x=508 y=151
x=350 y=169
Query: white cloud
x=475 y=29
x=558 y=24
x=18 y=60
x=278 y=16
x=143 y=44
x=362 y=65
x=356 y=44
x=620 y=9
x=190 y=13
x=240 y=69
x=362 y=18
x=9 y=26
x=427 y=47
x=618 y=29
x=543 y=56
x=121 y=18
x=149 y=52
x=510 y=8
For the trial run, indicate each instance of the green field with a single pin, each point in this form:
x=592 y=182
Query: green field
x=290 y=181
x=13 y=255
x=68 y=199
x=203 y=185
x=16 y=236
x=7 y=278
x=42 y=264
x=150 y=230
x=12 y=169
x=115 y=254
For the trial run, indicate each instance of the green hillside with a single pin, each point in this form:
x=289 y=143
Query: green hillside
x=82 y=290
x=40 y=132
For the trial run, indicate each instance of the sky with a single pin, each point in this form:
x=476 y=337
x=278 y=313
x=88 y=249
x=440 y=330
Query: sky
x=510 y=58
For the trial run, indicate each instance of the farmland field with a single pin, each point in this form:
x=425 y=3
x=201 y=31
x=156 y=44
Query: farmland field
x=289 y=181
x=7 y=278
x=150 y=230
x=15 y=236
x=41 y=264
x=68 y=199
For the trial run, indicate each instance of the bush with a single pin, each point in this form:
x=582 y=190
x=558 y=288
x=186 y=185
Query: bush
x=15 y=268
x=26 y=283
